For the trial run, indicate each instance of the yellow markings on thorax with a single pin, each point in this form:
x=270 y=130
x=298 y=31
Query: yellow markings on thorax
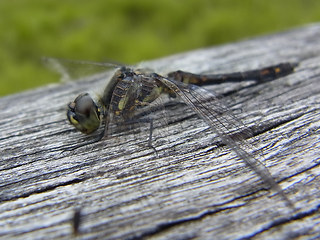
x=122 y=103
x=155 y=93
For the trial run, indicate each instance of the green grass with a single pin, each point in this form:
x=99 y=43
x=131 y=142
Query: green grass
x=128 y=31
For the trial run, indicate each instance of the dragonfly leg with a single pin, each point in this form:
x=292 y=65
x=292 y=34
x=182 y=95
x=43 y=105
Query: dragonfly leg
x=150 y=122
x=98 y=139
x=150 y=135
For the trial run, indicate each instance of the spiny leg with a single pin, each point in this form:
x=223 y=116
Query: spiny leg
x=100 y=136
x=145 y=120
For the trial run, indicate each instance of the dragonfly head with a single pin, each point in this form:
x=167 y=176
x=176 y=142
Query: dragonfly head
x=84 y=114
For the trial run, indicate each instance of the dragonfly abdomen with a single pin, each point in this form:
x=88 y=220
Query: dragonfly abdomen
x=264 y=74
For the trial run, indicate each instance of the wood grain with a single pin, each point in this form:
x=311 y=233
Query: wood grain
x=193 y=187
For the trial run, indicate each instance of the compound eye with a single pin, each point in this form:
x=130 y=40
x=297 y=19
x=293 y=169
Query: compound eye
x=84 y=104
x=84 y=114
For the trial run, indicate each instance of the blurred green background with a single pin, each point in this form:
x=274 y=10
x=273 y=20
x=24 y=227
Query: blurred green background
x=128 y=31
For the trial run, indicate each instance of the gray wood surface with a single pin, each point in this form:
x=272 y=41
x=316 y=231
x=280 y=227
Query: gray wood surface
x=194 y=187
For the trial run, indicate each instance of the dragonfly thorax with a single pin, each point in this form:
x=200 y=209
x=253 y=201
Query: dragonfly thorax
x=134 y=89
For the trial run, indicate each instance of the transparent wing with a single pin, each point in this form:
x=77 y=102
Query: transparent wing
x=75 y=69
x=230 y=129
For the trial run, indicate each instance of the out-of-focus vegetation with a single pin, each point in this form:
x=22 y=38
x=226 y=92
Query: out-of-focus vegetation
x=128 y=31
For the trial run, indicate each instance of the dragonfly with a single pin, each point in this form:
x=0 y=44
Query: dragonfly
x=131 y=89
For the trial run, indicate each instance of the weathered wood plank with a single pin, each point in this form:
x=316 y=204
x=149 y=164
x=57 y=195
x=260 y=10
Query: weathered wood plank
x=194 y=187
